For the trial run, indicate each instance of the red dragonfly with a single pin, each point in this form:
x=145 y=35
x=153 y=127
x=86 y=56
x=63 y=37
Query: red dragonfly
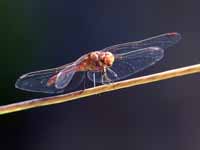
x=110 y=64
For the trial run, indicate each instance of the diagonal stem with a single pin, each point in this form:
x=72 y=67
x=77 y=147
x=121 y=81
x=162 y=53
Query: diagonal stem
x=99 y=89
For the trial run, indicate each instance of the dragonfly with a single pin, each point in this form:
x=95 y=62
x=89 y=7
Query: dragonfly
x=104 y=66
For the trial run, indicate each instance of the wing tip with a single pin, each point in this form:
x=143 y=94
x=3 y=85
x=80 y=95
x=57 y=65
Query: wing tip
x=175 y=35
x=23 y=85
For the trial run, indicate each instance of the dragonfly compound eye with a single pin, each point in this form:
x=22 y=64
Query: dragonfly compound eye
x=108 y=59
x=94 y=56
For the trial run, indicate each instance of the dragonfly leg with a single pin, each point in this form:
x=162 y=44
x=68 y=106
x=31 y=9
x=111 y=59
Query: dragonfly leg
x=94 y=79
x=113 y=73
x=108 y=80
x=102 y=77
x=105 y=79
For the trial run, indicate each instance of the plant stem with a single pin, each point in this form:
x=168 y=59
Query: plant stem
x=99 y=89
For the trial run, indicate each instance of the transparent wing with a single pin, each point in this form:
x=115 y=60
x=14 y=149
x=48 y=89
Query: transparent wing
x=64 y=77
x=38 y=81
x=163 y=41
x=127 y=64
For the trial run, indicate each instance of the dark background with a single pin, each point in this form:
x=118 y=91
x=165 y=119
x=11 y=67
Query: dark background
x=37 y=34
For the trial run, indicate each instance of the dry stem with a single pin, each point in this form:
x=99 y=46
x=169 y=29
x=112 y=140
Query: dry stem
x=99 y=89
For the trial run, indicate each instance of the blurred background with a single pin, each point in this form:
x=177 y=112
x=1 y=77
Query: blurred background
x=37 y=35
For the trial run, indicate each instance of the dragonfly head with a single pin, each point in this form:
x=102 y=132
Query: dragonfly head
x=103 y=59
x=107 y=58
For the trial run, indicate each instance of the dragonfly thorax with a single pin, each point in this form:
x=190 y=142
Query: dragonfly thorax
x=97 y=61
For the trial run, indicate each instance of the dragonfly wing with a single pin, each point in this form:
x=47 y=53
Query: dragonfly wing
x=163 y=41
x=127 y=64
x=63 y=78
x=38 y=81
